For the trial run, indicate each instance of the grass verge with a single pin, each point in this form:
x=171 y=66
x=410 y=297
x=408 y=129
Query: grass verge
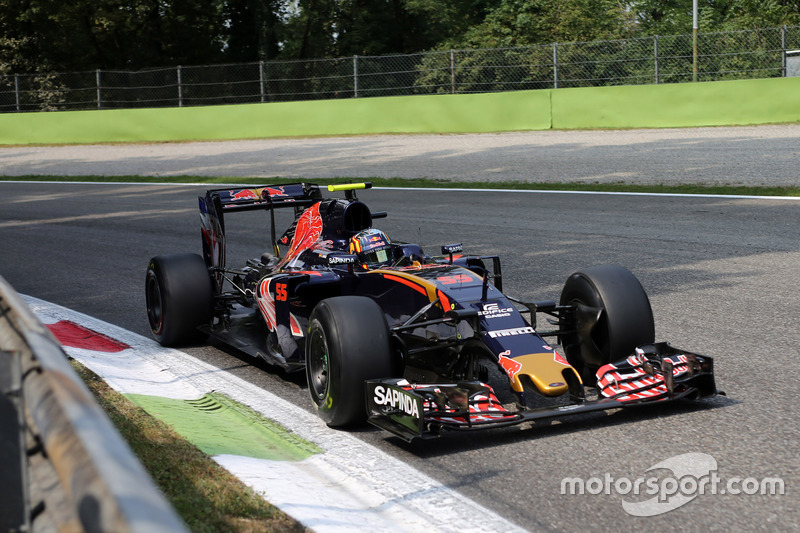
x=734 y=190
x=205 y=495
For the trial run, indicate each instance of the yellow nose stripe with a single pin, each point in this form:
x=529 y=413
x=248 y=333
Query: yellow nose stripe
x=544 y=371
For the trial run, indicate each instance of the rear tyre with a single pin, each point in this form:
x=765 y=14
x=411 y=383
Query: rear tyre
x=347 y=343
x=613 y=318
x=179 y=294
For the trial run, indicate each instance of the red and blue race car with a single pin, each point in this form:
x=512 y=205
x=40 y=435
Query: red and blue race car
x=413 y=343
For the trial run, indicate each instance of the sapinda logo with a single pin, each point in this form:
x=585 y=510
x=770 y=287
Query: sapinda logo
x=341 y=259
x=396 y=399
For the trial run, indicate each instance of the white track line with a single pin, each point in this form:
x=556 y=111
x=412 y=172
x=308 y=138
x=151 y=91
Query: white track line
x=352 y=486
x=446 y=189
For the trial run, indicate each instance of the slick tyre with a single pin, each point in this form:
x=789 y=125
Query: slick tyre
x=347 y=343
x=179 y=295
x=613 y=317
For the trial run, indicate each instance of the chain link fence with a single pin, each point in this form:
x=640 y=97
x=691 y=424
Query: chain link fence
x=648 y=60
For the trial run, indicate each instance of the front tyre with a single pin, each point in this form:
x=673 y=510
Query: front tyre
x=179 y=294
x=347 y=344
x=613 y=317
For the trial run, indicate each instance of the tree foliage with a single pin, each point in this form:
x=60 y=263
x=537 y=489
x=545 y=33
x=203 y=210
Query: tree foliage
x=253 y=29
x=88 y=34
x=47 y=35
x=525 y=22
x=671 y=17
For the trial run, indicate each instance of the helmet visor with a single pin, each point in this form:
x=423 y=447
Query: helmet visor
x=376 y=257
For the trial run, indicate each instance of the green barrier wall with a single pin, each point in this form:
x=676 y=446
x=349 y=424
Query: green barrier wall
x=642 y=106
x=528 y=110
x=677 y=105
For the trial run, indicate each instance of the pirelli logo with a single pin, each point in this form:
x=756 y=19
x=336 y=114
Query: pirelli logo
x=510 y=332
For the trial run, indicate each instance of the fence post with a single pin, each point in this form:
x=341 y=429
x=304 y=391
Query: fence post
x=555 y=65
x=16 y=89
x=452 y=72
x=261 y=79
x=783 y=50
x=99 y=90
x=655 y=57
x=694 y=40
x=180 y=87
x=355 y=76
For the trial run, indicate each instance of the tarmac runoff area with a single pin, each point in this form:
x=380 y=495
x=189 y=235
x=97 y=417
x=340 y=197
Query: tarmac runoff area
x=746 y=155
x=327 y=480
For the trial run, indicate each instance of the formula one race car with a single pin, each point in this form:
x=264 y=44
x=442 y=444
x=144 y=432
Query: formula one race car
x=415 y=344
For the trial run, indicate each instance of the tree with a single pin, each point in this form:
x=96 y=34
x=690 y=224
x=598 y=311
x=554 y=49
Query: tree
x=750 y=14
x=376 y=27
x=81 y=35
x=254 y=29
x=108 y=34
x=674 y=17
x=444 y=23
x=310 y=30
x=524 y=22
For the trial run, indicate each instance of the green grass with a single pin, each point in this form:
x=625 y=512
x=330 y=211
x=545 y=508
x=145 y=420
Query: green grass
x=206 y=496
x=734 y=190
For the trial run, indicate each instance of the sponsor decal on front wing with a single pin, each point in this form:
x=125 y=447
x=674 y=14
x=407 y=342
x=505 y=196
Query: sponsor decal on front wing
x=396 y=399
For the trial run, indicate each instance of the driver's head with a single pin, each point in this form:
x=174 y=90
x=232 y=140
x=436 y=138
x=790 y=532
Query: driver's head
x=372 y=247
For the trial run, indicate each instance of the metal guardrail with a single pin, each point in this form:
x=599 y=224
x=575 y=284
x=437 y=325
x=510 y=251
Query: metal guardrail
x=65 y=467
x=759 y=53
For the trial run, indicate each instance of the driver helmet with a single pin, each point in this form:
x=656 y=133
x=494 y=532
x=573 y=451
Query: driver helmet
x=372 y=247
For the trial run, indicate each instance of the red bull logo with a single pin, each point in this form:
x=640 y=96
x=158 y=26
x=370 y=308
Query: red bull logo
x=560 y=360
x=244 y=194
x=270 y=191
x=256 y=194
x=309 y=229
x=511 y=366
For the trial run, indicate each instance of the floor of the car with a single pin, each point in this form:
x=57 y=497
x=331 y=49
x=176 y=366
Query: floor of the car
x=245 y=331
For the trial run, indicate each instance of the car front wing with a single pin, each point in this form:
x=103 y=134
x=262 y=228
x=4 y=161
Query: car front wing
x=656 y=373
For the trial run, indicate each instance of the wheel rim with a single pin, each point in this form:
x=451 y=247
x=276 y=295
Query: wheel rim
x=587 y=349
x=317 y=364
x=155 y=312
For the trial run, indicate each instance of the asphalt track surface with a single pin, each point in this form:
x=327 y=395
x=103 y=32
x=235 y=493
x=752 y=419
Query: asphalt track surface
x=721 y=274
x=759 y=155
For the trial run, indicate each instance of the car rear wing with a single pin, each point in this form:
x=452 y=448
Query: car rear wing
x=217 y=202
x=266 y=197
x=277 y=196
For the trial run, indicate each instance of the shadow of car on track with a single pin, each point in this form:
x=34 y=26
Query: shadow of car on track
x=458 y=442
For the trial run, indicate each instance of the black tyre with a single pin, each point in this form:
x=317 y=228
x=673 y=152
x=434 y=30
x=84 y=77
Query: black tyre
x=179 y=295
x=347 y=343
x=613 y=318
